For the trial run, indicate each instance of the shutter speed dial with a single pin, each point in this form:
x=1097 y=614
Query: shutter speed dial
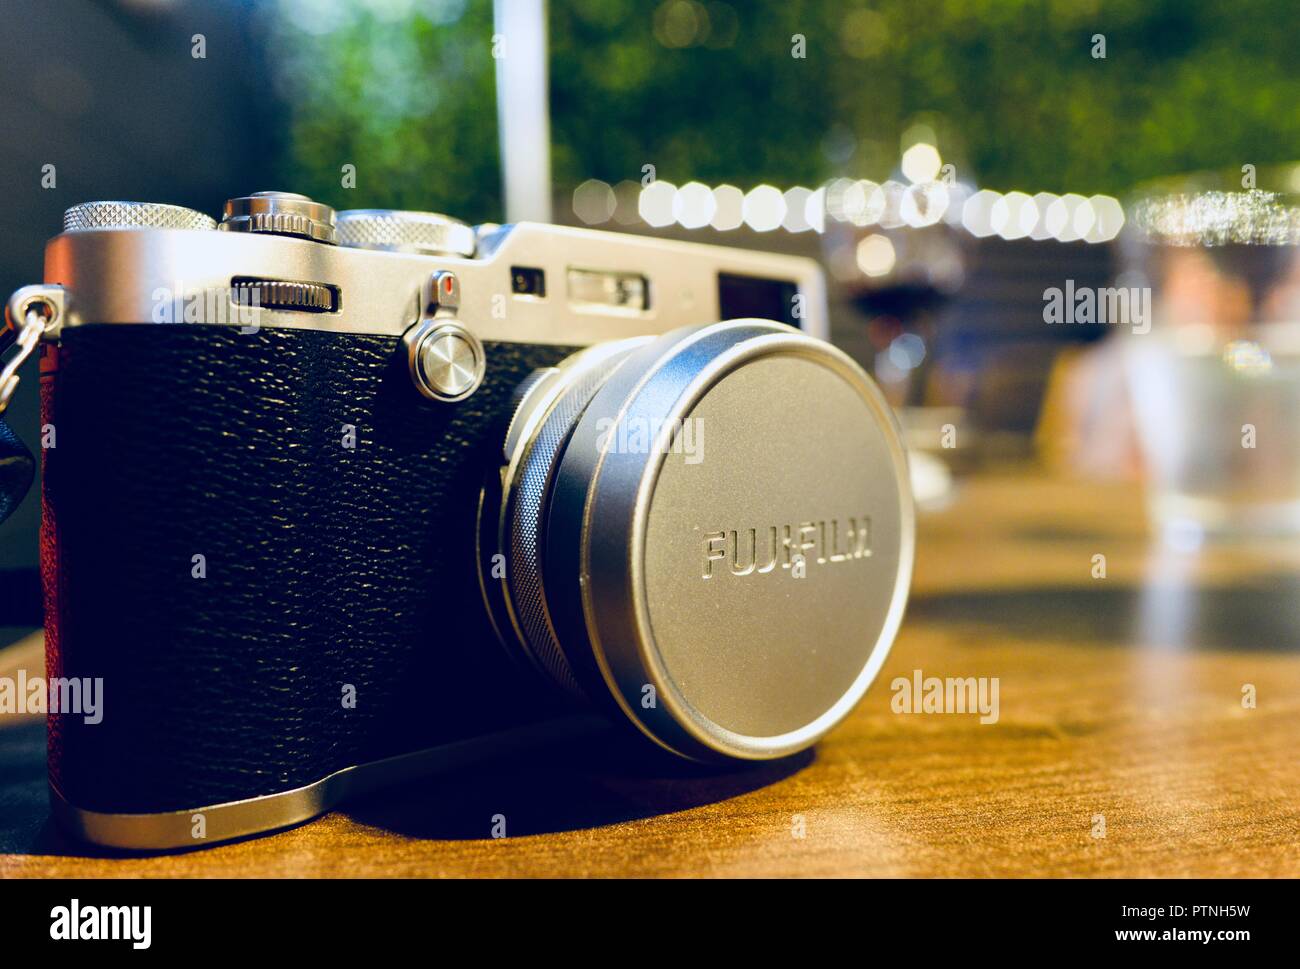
x=280 y=213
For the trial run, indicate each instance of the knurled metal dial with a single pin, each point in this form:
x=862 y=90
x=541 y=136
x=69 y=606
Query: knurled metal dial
x=280 y=213
x=133 y=215
x=426 y=233
x=275 y=294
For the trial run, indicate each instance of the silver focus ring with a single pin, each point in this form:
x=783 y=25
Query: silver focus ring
x=525 y=523
x=133 y=215
x=427 y=233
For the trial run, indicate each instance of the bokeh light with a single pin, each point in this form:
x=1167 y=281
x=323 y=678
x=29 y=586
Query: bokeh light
x=876 y=256
x=593 y=202
x=693 y=205
x=977 y=213
x=921 y=163
x=924 y=204
x=764 y=208
x=1013 y=215
x=656 y=205
x=1108 y=218
x=728 y=208
x=796 y=210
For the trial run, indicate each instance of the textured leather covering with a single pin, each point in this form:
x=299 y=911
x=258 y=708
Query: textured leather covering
x=325 y=565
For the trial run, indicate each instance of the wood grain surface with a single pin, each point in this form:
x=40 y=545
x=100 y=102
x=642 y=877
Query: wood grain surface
x=1120 y=697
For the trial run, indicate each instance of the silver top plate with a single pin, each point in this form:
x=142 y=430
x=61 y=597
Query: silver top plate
x=133 y=277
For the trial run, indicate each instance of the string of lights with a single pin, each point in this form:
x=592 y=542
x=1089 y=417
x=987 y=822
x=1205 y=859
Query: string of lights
x=932 y=196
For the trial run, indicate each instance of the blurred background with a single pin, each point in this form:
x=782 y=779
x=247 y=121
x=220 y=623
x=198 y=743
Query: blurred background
x=950 y=163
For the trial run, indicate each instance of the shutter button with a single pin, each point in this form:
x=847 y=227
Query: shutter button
x=446 y=360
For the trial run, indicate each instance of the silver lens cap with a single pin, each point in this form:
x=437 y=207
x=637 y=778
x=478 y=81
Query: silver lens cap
x=717 y=535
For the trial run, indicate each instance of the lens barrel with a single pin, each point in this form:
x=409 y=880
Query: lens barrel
x=710 y=533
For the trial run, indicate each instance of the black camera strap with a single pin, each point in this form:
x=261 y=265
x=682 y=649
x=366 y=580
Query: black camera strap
x=17 y=466
x=29 y=315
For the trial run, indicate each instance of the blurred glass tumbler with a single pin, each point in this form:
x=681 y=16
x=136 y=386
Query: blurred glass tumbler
x=1215 y=385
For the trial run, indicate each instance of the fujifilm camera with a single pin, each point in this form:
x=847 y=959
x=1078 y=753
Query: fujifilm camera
x=340 y=499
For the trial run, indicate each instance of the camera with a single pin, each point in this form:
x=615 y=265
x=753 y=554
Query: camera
x=341 y=498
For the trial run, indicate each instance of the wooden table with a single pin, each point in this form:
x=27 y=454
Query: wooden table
x=1119 y=697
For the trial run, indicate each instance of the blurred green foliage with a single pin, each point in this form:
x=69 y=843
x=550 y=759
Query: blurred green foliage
x=404 y=89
